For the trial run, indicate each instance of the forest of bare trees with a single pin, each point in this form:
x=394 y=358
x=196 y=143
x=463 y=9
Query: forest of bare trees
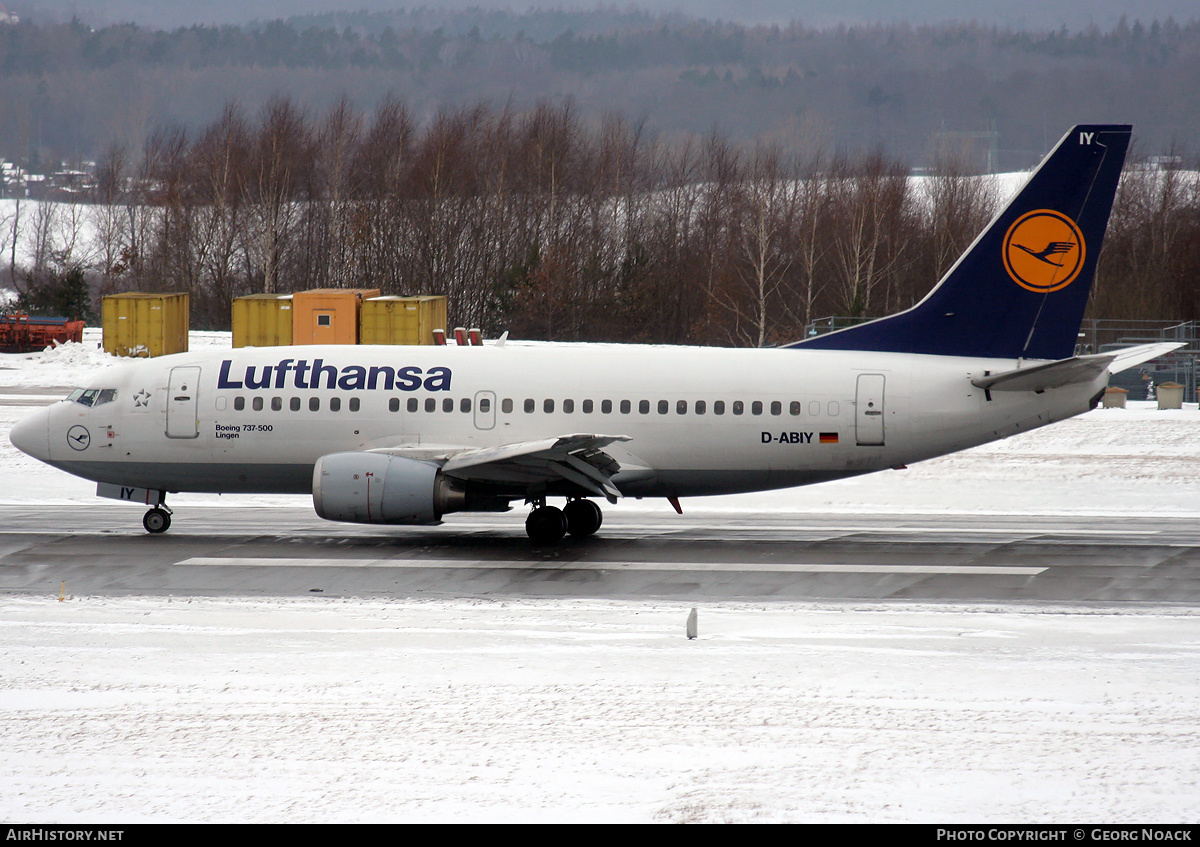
x=553 y=227
x=67 y=90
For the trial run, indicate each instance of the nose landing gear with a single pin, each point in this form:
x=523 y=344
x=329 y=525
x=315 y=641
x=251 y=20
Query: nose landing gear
x=157 y=520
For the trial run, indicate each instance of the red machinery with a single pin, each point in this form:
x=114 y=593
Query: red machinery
x=20 y=333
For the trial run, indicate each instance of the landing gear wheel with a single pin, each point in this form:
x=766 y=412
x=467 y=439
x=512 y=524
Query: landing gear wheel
x=157 y=521
x=583 y=518
x=546 y=524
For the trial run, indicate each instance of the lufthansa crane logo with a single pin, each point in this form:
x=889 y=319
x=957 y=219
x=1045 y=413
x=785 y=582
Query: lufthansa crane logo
x=78 y=438
x=1044 y=251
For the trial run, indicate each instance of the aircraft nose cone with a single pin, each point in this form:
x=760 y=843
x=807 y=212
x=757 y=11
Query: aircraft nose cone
x=32 y=435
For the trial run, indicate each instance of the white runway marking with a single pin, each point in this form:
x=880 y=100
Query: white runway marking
x=874 y=529
x=461 y=564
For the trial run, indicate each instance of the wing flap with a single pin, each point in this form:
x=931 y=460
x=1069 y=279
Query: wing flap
x=578 y=458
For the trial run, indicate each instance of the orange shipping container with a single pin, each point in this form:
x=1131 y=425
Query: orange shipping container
x=328 y=315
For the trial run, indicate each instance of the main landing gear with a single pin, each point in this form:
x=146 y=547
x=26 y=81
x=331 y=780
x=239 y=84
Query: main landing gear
x=548 y=524
x=157 y=520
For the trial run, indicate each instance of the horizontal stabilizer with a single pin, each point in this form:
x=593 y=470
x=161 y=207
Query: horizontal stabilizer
x=1076 y=369
x=1048 y=375
x=1131 y=357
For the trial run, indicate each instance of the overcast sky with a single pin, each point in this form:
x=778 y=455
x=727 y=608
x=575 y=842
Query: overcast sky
x=1018 y=14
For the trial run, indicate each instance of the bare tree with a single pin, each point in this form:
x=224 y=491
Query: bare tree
x=220 y=159
x=871 y=203
x=274 y=184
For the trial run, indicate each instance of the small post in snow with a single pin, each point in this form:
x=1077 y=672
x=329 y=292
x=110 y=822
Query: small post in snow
x=691 y=624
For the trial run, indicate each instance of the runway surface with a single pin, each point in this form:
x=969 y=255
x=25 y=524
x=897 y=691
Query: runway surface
x=288 y=551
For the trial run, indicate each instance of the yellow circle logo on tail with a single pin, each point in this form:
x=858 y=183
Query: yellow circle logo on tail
x=1044 y=251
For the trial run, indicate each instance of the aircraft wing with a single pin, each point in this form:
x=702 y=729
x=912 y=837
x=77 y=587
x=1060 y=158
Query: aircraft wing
x=578 y=458
x=1076 y=369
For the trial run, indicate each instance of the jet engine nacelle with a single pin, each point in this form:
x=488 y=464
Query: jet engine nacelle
x=378 y=488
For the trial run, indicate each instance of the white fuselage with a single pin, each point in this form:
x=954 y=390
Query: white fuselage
x=699 y=421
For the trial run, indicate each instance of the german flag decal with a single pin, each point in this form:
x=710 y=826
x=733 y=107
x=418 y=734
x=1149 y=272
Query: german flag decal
x=829 y=438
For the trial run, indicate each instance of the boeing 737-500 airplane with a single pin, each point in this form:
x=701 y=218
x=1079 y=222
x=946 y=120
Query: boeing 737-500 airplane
x=405 y=435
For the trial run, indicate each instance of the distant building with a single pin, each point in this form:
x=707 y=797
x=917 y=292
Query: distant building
x=12 y=180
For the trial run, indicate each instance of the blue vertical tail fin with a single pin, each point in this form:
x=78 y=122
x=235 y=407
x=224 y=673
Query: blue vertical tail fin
x=1020 y=289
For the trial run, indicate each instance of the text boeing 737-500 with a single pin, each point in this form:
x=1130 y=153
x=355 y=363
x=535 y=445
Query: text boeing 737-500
x=404 y=435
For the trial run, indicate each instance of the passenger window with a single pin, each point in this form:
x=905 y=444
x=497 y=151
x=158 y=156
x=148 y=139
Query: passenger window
x=626 y=406
x=681 y=407
x=394 y=404
x=314 y=404
x=834 y=408
x=221 y=401
x=568 y=406
x=276 y=404
x=756 y=407
x=448 y=405
x=354 y=404
x=587 y=407
x=700 y=407
x=663 y=407
x=606 y=407
x=258 y=404
x=776 y=407
x=529 y=405
x=294 y=404
x=794 y=407
x=485 y=405
x=430 y=404
x=465 y=405
x=547 y=406
x=335 y=404
x=506 y=405
x=413 y=404
x=239 y=403
x=643 y=407
x=814 y=407
x=738 y=408
x=718 y=407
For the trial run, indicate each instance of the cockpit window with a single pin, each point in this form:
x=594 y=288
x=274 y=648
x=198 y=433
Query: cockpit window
x=93 y=396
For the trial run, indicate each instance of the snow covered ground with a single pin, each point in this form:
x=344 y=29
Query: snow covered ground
x=125 y=709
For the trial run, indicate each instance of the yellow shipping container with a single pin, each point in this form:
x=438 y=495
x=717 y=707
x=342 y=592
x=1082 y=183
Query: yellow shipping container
x=145 y=324
x=262 y=320
x=327 y=315
x=401 y=320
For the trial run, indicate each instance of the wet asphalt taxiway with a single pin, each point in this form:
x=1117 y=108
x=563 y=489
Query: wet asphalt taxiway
x=288 y=551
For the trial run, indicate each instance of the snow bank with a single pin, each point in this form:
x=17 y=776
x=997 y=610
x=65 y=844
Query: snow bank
x=215 y=710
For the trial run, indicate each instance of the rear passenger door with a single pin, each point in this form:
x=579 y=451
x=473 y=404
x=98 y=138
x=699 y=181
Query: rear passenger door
x=868 y=410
